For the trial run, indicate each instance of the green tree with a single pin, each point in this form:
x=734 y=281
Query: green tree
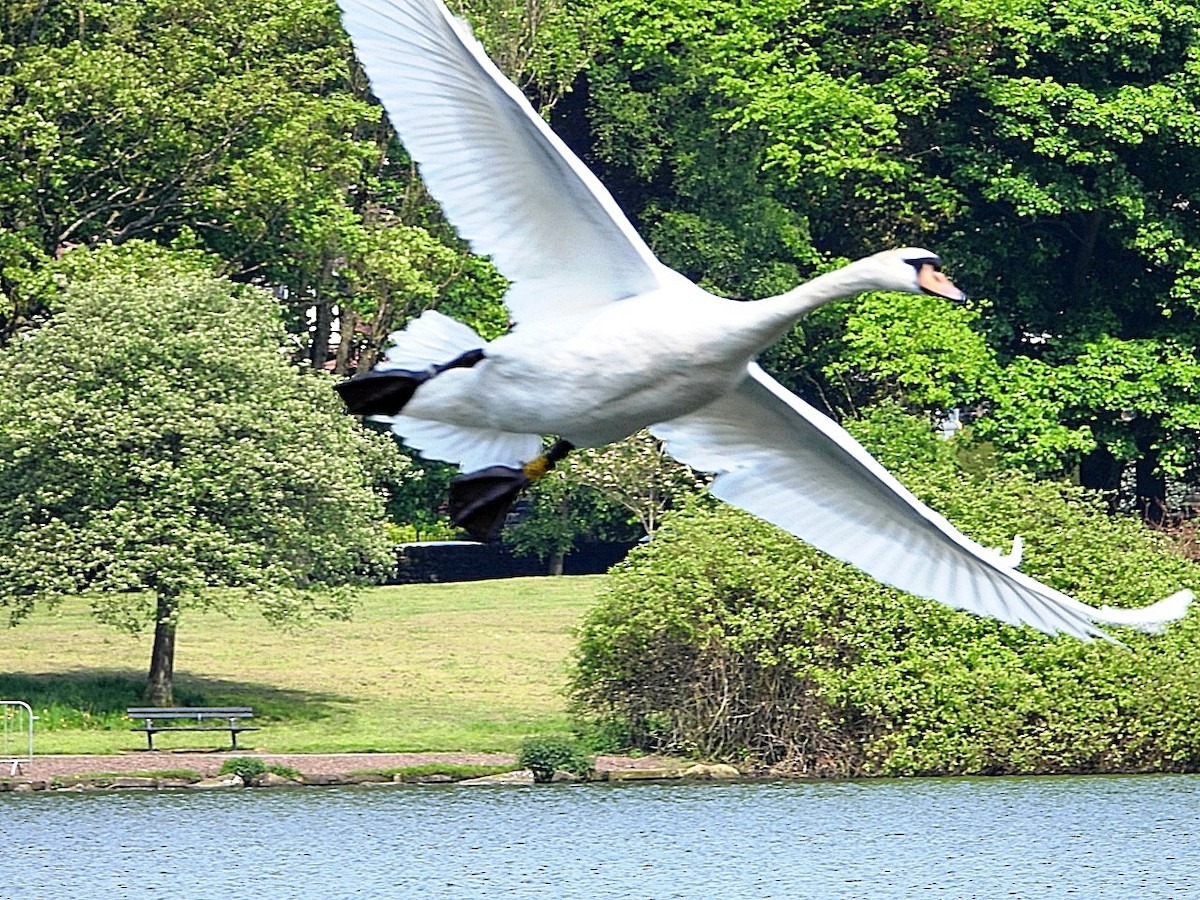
x=160 y=454
x=1075 y=149
x=224 y=126
x=559 y=513
x=619 y=492
x=1047 y=149
x=636 y=475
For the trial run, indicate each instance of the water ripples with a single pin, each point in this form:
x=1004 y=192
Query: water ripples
x=1094 y=838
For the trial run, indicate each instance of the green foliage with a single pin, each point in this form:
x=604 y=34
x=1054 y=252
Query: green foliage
x=726 y=637
x=1077 y=155
x=914 y=349
x=157 y=444
x=542 y=47
x=546 y=755
x=248 y=767
x=558 y=514
x=616 y=493
x=245 y=767
x=229 y=124
x=636 y=475
x=1048 y=150
x=1129 y=396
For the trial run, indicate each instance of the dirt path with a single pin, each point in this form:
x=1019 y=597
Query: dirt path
x=48 y=767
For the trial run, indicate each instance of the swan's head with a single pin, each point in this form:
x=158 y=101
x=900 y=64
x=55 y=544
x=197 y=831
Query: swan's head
x=915 y=271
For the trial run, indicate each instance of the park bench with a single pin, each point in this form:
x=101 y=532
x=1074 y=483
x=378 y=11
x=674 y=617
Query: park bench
x=229 y=716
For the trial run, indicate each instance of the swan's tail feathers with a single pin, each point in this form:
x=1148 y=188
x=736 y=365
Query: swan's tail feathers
x=431 y=339
x=1151 y=619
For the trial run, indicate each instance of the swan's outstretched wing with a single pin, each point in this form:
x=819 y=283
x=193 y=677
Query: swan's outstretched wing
x=787 y=463
x=509 y=185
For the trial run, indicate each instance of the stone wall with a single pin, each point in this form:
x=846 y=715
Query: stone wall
x=440 y=561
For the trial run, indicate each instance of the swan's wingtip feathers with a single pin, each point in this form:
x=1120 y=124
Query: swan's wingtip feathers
x=1151 y=619
x=1012 y=559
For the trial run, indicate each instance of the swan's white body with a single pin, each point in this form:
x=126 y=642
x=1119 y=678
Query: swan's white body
x=608 y=340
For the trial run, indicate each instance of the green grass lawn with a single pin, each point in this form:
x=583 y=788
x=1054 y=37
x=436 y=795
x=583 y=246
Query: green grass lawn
x=477 y=666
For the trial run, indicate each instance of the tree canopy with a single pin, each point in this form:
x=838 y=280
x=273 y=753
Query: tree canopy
x=1047 y=150
x=157 y=446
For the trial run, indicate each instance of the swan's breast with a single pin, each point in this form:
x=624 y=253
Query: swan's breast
x=594 y=379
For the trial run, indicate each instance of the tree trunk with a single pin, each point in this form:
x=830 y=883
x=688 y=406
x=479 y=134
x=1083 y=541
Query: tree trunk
x=558 y=557
x=346 y=347
x=1151 y=489
x=322 y=331
x=1101 y=471
x=160 y=682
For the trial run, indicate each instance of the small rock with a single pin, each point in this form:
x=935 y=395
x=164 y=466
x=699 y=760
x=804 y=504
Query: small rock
x=270 y=779
x=643 y=774
x=561 y=777
x=132 y=781
x=713 y=772
x=521 y=776
x=434 y=778
x=369 y=778
x=229 y=780
x=324 y=780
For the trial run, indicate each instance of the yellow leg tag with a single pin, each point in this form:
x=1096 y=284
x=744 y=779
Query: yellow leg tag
x=537 y=468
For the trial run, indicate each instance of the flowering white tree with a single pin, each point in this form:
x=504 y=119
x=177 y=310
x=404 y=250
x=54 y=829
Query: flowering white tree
x=155 y=444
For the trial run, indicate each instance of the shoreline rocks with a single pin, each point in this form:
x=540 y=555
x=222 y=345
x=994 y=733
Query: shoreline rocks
x=684 y=772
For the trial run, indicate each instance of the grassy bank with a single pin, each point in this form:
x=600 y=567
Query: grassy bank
x=472 y=667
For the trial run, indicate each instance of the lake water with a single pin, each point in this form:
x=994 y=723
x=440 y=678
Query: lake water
x=1133 y=838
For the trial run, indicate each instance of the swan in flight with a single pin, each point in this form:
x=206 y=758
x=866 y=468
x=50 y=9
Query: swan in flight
x=608 y=340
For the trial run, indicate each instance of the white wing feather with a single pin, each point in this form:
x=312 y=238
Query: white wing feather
x=470 y=448
x=780 y=459
x=509 y=185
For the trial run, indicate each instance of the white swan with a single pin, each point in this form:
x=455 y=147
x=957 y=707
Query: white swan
x=608 y=340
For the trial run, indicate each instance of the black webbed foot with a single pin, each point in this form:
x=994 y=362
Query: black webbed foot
x=480 y=501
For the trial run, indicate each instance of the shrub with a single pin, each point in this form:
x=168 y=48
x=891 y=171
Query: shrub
x=727 y=638
x=546 y=755
x=245 y=767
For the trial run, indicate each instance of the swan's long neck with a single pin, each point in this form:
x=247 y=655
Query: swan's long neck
x=778 y=314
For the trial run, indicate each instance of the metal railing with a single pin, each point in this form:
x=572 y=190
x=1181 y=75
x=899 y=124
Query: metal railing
x=16 y=735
